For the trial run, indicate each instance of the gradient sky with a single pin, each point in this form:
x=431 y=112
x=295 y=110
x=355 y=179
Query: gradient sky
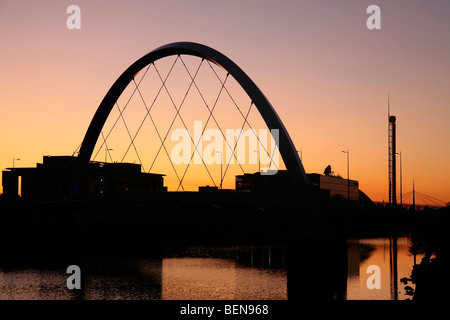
x=325 y=73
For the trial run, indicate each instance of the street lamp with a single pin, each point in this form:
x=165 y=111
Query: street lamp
x=221 y=158
x=401 y=184
x=106 y=154
x=259 y=163
x=348 y=173
x=14 y=159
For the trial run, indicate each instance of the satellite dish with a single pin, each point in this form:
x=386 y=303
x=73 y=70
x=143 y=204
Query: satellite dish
x=328 y=171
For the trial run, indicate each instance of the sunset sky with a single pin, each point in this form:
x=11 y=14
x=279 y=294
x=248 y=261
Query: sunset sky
x=326 y=74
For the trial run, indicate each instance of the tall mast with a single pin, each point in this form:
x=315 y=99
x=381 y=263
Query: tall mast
x=392 y=160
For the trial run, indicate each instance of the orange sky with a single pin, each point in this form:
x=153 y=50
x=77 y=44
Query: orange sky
x=325 y=73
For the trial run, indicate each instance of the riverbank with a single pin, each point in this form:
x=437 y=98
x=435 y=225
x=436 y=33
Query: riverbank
x=137 y=228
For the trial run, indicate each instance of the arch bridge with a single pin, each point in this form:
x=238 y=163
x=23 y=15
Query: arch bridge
x=286 y=147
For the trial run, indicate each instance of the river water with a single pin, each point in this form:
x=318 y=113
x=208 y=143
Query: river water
x=211 y=273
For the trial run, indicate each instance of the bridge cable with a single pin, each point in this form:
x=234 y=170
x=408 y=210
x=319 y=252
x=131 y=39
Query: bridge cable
x=239 y=136
x=431 y=199
x=181 y=118
x=147 y=114
x=157 y=131
x=204 y=128
x=76 y=150
x=117 y=120
x=245 y=118
x=422 y=198
x=211 y=114
x=106 y=146
x=163 y=85
x=129 y=134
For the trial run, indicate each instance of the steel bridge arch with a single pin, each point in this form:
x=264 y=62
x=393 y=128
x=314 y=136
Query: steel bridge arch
x=286 y=147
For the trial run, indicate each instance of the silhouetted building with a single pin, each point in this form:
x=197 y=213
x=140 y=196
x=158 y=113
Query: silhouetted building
x=208 y=189
x=52 y=180
x=260 y=183
x=335 y=186
x=279 y=184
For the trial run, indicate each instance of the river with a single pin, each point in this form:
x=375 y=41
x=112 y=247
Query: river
x=213 y=273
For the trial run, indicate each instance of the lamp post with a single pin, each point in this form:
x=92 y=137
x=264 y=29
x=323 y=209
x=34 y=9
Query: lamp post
x=348 y=173
x=401 y=184
x=14 y=159
x=106 y=154
x=259 y=163
x=301 y=154
x=221 y=158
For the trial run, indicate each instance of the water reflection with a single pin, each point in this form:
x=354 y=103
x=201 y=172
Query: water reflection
x=225 y=273
x=198 y=273
x=33 y=284
x=323 y=269
x=220 y=279
x=393 y=258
